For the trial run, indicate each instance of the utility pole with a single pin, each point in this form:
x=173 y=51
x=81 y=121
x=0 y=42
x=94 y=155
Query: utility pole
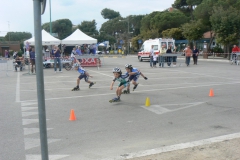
x=50 y=17
x=128 y=36
x=8 y=30
x=40 y=77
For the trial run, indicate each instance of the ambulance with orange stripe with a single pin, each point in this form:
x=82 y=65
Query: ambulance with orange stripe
x=144 y=51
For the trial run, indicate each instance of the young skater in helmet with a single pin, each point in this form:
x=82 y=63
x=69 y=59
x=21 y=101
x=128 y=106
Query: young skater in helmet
x=83 y=74
x=123 y=82
x=133 y=77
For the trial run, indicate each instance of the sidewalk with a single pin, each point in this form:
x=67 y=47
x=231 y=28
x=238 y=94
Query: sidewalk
x=223 y=150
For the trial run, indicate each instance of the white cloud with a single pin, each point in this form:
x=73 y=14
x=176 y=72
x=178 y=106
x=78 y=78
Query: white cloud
x=20 y=15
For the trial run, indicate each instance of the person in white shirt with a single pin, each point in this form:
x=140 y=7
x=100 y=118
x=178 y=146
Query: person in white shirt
x=151 y=56
x=155 y=58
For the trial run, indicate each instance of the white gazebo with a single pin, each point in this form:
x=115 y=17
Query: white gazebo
x=78 y=37
x=47 y=39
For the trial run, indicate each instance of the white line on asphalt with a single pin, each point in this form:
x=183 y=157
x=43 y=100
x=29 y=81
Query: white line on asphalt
x=141 y=91
x=101 y=73
x=18 y=88
x=159 y=109
x=209 y=75
x=51 y=157
x=178 y=146
x=86 y=87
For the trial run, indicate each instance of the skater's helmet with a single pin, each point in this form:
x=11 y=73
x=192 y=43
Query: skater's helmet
x=117 y=70
x=129 y=66
x=75 y=65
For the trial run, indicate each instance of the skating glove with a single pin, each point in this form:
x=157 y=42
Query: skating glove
x=145 y=78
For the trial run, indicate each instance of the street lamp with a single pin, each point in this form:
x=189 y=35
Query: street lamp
x=50 y=17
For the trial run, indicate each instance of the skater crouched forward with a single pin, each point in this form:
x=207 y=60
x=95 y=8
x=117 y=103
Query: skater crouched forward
x=122 y=83
x=134 y=74
x=83 y=74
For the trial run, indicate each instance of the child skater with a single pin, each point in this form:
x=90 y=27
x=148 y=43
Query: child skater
x=122 y=83
x=133 y=77
x=155 y=57
x=83 y=74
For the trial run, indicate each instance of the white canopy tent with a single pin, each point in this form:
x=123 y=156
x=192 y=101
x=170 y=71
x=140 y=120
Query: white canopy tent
x=78 y=37
x=47 y=39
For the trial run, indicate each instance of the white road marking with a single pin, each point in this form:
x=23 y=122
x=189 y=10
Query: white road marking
x=29 y=121
x=141 y=91
x=51 y=157
x=178 y=146
x=206 y=75
x=102 y=73
x=32 y=142
x=25 y=114
x=28 y=131
x=28 y=103
x=18 y=88
x=159 y=109
x=28 y=108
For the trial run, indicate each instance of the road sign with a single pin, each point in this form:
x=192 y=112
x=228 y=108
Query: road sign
x=139 y=41
x=121 y=41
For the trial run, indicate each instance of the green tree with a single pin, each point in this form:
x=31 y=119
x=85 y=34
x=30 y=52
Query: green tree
x=226 y=24
x=203 y=12
x=109 y=13
x=62 y=26
x=105 y=37
x=186 y=6
x=167 y=20
x=193 y=30
x=175 y=33
x=17 y=36
x=89 y=27
x=114 y=25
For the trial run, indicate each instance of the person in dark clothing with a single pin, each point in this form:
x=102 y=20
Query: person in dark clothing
x=57 y=59
x=32 y=60
x=195 y=55
x=18 y=61
x=169 y=59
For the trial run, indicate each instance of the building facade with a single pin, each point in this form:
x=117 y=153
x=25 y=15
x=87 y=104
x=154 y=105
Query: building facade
x=9 y=45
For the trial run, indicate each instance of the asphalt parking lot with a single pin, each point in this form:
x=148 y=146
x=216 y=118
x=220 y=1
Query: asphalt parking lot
x=181 y=110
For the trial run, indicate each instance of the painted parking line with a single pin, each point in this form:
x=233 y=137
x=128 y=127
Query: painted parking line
x=176 y=147
x=141 y=91
x=161 y=109
x=18 y=88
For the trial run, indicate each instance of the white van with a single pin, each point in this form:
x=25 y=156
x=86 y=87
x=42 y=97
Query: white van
x=144 y=51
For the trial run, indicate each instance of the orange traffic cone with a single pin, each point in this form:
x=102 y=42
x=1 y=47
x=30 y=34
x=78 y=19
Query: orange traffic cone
x=72 y=115
x=211 y=93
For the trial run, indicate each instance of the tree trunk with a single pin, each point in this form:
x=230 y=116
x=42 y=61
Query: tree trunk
x=211 y=40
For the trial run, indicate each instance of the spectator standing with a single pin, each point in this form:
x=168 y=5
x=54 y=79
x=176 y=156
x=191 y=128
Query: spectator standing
x=15 y=54
x=57 y=59
x=32 y=60
x=195 y=55
x=174 y=57
x=161 y=58
x=78 y=51
x=6 y=54
x=169 y=59
x=188 y=54
x=73 y=53
x=47 y=54
x=235 y=49
x=151 y=56
x=155 y=57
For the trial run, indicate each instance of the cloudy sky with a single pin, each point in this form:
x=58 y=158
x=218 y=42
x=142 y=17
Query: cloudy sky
x=17 y=15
